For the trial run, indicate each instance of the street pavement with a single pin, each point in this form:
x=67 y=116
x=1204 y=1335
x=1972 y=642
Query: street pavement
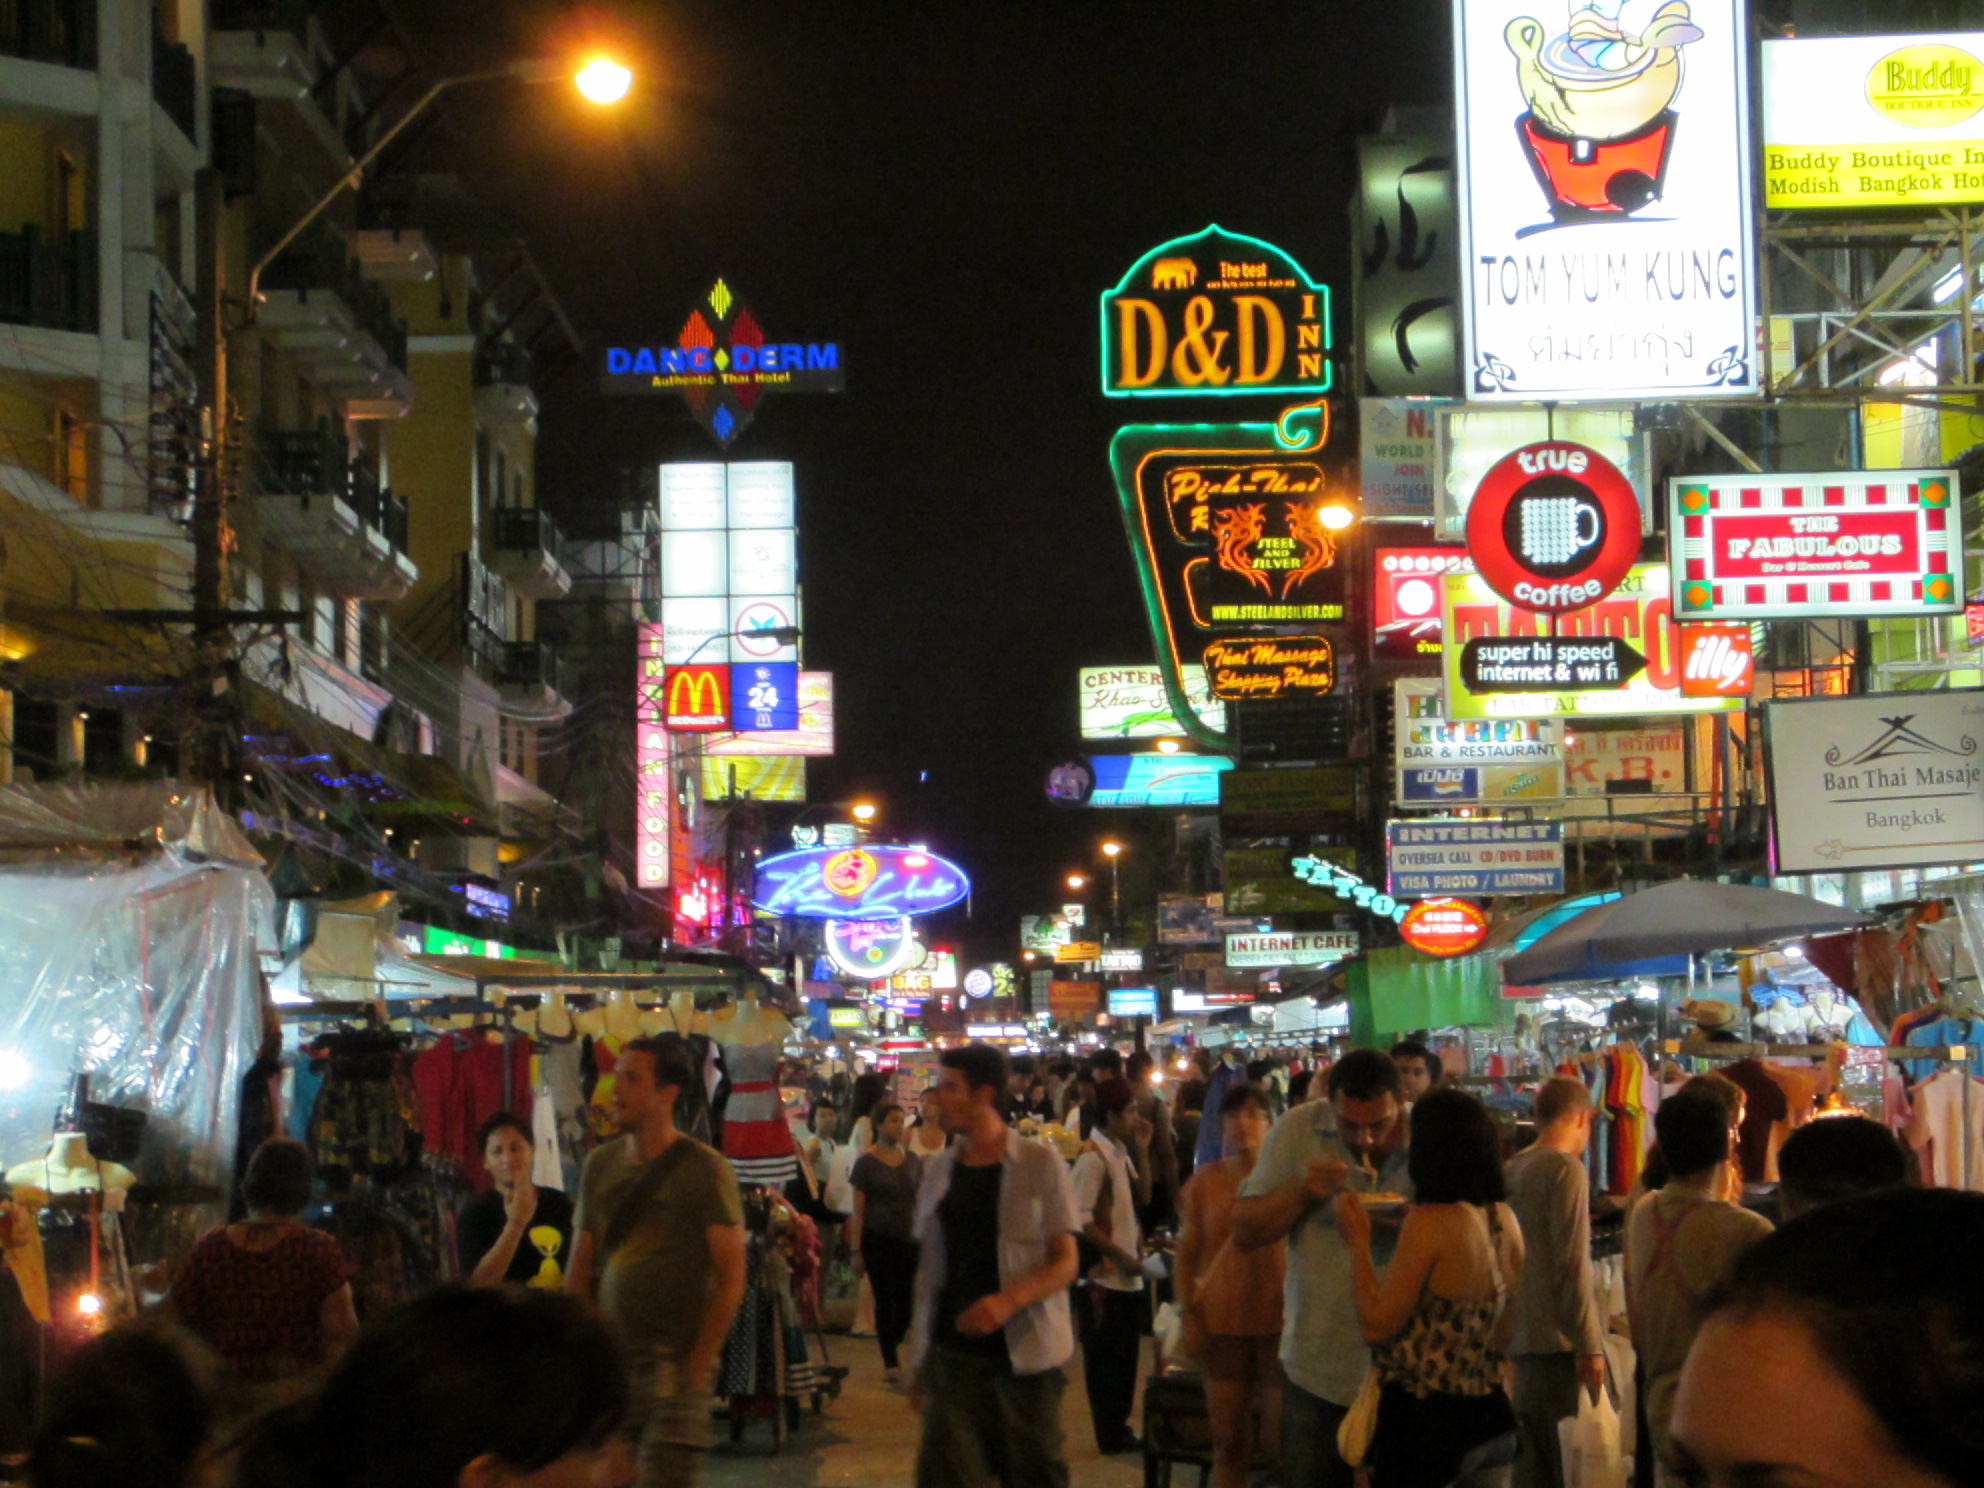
x=868 y=1437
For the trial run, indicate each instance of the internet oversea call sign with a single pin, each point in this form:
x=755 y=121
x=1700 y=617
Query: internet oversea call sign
x=1215 y=315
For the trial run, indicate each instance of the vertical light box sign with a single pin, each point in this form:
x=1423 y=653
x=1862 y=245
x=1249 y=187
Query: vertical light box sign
x=1605 y=200
x=763 y=576
x=695 y=561
x=652 y=790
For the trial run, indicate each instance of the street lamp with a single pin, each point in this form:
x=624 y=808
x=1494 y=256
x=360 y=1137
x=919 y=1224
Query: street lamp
x=863 y=811
x=1112 y=850
x=601 y=81
x=1077 y=882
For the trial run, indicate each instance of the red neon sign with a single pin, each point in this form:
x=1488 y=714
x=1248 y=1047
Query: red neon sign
x=1443 y=927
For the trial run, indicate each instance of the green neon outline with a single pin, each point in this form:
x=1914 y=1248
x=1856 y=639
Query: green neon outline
x=1260 y=390
x=1128 y=449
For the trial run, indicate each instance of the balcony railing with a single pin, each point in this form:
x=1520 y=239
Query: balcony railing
x=175 y=82
x=319 y=261
x=532 y=665
x=505 y=363
x=292 y=16
x=316 y=463
x=58 y=31
x=528 y=529
x=49 y=284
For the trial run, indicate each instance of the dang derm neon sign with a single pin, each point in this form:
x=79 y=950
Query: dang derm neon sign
x=857 y=883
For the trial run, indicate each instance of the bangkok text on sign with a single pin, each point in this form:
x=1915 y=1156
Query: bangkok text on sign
x=1271 y=667
x=1761 y=547
x=1874 y=121
x=1606 y=218
x=1216 y=314
x=857 y=883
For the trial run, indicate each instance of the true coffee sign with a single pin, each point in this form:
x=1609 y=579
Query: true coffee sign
x=1780 y=547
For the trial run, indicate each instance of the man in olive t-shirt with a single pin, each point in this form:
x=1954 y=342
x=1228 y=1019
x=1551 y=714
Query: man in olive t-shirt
x=660 y=1245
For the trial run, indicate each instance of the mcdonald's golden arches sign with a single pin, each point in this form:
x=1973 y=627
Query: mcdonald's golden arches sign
x=696 y=699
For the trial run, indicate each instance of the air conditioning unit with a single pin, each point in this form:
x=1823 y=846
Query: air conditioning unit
x=476 y=855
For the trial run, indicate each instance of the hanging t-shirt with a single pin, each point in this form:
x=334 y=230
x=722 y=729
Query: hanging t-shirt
x=1935 y=1130
x=542 y=1253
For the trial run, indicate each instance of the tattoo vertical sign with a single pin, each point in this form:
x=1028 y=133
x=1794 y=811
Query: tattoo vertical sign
x=1605 y=200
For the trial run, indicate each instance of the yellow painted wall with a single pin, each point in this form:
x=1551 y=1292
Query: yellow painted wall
x=28 y=192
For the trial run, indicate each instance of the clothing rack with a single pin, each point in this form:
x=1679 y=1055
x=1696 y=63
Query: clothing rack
x=1953 y=1054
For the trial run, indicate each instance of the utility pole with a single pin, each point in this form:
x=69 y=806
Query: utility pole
x=213 y=534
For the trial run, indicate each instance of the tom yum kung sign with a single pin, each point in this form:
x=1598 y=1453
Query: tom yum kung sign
x=1778 y=547
x=1271 y=667
x=1215 y=315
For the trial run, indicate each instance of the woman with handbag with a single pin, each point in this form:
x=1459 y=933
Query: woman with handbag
x=1231 y=1298
x=1440 y=1319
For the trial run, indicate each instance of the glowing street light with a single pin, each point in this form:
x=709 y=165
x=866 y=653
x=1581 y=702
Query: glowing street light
x=1077 y=882
x=1112 y=850
x=602 y=80
x=863 y=811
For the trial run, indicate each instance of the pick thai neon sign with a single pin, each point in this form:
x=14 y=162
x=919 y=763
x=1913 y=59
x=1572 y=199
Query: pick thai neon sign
x=857 y=883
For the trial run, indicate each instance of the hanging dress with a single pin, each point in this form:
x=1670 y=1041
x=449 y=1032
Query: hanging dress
x=756 y=1138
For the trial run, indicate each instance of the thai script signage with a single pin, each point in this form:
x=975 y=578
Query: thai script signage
x=1463 y=763
x=1605 y=200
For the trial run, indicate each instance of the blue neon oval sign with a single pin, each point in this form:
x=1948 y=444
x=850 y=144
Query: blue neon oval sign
x=857 y=883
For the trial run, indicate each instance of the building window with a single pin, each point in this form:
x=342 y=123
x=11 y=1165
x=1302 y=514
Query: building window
x=71 y=450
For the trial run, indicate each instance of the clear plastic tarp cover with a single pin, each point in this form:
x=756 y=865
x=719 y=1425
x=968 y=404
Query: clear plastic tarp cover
x=142 y=974
x=108 y=818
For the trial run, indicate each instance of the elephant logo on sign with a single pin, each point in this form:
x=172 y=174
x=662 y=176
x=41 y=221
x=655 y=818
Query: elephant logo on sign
x=1174 y=273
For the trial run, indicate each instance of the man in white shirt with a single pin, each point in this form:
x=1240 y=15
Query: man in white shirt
x=1111 y=1179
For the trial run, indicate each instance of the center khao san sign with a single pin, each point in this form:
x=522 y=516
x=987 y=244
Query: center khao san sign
x=1841 y=543
x=722 y=364
x=857 y=883
x=1553 y=527
x=1215 y=315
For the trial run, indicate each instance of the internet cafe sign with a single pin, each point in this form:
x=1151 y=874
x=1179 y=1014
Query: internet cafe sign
x=1874 y=121
x=1605 y=200
x=1639 y=612
x=1215 y=315
x=1890 y=780
x=1293 y=948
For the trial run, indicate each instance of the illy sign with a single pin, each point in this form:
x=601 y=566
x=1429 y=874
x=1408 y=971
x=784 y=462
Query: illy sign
x=1716 y=661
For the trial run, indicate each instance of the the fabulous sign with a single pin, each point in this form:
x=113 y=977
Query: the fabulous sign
x=1783 y=547
x=722 y=364
x=1891 y=780
x=1605 y=200
x=857 y=883
x=1215 y=315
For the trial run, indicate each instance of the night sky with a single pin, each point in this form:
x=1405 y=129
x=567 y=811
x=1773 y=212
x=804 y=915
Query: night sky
x=945 y=188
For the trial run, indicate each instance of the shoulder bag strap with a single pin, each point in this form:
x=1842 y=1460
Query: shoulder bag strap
x=620 y=1227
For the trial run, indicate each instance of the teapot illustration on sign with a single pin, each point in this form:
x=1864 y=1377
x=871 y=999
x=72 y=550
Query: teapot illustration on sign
x=1600 y=121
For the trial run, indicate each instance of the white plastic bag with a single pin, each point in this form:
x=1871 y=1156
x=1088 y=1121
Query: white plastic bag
x=1590 y=1442
x=1169 y=1331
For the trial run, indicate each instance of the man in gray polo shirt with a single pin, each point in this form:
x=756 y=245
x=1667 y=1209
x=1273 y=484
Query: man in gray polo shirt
x=1354 y=1140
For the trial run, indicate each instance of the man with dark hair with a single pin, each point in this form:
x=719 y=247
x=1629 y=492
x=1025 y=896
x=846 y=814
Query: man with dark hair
x=1354 y=1140
x=660 y=1246
x=1419 y=1068
x=515 y=1231
x=1111 y=1181
x=995 y=1218
x=1559 y=1339
x=1840 y=1157
x=1680 y=1245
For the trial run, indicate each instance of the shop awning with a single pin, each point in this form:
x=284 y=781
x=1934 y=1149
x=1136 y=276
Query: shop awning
x=1397 y=989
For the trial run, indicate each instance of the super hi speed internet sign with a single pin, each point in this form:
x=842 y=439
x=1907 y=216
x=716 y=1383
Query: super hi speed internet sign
x=857 y=883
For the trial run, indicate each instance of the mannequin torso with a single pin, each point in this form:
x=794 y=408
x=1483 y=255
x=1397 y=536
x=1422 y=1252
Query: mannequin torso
x=678 y=1015
x=69 y=1169
x=745 y=1024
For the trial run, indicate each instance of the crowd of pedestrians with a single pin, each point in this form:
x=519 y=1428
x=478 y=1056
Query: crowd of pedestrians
x=1371 y=1288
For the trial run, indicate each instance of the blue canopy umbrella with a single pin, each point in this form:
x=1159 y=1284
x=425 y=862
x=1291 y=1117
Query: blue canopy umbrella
x=1656 y=931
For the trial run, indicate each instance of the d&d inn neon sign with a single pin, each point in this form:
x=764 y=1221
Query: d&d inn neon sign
x=857 y=883
x=1216 y=315
x=1347 y=885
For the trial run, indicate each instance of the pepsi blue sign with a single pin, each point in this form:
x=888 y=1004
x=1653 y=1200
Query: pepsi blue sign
x=857 y=883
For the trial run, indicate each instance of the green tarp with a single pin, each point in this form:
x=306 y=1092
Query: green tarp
x=1396 y=990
